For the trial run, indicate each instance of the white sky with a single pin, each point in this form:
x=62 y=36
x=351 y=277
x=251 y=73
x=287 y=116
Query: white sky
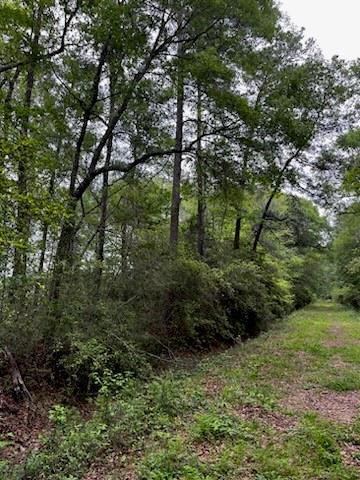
x=335 y=24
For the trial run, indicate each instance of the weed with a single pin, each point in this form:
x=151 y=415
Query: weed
x=211 y=426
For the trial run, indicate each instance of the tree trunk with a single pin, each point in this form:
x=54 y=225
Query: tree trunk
x=9 y=97
x=43 y=247
x=261 y=225
x=275 y=190
x=237 y=233
x=103 y=220
x=124 y=248
x=201 y=182
x=23 y=218
x=21 y=392
x=104 y=198
x=46 y=224
x=176 y=186
x=65 y=250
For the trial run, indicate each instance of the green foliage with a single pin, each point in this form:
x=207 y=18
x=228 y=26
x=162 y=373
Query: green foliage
x=166 y=396
x=172 y=463
x=120 y=421
x=256 y=297
x=99 y=296
x=68 y=449
x=91 y=289
x=346 y=249
x=171 y=428
x=212 y=426
x=194 y=304
x=180 y=304
x=93 y=366
x=316 y=437
x=5 y=442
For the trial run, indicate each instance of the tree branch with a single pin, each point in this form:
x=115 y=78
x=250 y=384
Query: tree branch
x=46 y=56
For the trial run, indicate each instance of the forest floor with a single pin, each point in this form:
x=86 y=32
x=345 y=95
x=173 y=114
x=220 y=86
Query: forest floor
x=284 y=406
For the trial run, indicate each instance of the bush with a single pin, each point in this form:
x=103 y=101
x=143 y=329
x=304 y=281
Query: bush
x=348 y=294
x=91 y=365
x=302 y=295
x=210 y=426
x=255 y=297
x=188 y=303
x=69 y=448
x=181 y=306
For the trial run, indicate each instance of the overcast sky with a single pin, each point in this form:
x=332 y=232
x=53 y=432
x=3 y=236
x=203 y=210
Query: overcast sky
x=335 y=24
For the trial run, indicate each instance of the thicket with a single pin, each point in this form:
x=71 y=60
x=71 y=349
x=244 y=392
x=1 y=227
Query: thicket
x=344 y=187
x=163 y=305
x=346 y=250
x=153 y=159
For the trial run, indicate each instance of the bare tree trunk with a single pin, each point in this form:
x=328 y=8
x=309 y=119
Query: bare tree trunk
x=201 y=182
x=176 y=186
x=20 y=390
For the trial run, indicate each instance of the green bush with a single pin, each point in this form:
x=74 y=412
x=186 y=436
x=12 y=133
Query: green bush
x=181 y=305
x=302 y=295
x=254 y=297
x=163 y=303
x=348 y=294
x=90 y=366
x=188 y=303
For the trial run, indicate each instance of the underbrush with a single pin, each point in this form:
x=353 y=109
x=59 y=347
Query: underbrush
x=125 y=421
x=222 y=420
x=87 y=341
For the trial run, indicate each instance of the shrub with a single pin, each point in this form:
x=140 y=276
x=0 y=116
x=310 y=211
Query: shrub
x=181 y=305
x=188 y=303
x=348 y=294
x=162 y=303
x=302 y=295
x=91 y=365
x=254 y=297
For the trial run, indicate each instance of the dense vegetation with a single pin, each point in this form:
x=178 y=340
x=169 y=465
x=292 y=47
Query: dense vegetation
x=246 y=413
x=168 y=176
x=123 y=122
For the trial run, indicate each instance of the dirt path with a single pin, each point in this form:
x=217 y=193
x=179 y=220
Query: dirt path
x=284 y=406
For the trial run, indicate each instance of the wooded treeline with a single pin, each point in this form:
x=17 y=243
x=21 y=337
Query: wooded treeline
x=157 y=164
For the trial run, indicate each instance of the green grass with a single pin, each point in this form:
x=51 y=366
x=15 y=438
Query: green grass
x=225 y=419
